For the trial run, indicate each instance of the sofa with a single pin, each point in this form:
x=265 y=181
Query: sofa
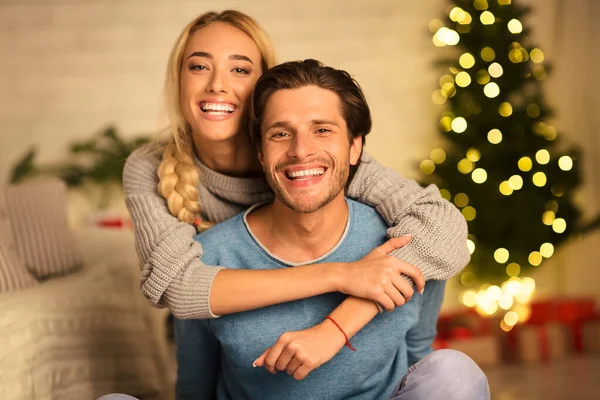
x=85 y=332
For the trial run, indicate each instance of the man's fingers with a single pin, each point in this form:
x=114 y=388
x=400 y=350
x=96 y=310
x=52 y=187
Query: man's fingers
x=393 y=244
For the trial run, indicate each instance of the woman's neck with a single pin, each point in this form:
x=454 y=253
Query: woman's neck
x=234 y=156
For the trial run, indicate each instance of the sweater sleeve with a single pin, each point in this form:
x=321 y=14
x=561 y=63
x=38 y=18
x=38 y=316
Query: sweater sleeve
x=172 y=274
x=439 y=244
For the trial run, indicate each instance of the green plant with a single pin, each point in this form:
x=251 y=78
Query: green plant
x=99 y=159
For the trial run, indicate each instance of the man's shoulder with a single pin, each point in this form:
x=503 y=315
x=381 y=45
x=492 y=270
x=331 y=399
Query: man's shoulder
x=224 y=232
x=365 y=216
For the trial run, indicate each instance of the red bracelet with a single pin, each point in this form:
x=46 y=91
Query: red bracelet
x=343 y=333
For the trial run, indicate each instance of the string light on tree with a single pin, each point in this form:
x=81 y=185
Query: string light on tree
x=502 y=168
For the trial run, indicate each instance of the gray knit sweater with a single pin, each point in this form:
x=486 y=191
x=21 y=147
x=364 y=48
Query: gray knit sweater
x=173 y=275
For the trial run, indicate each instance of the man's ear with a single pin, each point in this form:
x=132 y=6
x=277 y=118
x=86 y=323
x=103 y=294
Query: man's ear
x=355 y=150
x=261 y=159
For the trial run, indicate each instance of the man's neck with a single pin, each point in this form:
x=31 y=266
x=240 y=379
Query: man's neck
x=296 y=237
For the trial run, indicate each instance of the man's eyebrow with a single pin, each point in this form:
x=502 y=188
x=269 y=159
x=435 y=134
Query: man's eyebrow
x=231 y=57
x=279 y=124
x=323 y=122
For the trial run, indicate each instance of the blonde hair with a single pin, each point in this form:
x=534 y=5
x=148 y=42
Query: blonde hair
x=178 y=175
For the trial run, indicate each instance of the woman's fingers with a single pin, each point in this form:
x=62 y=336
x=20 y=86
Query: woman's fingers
x=284 y=359
x=302 y=372
x=395 y=295
x=260 y=361
x=393 y=244
x=403 y=287
x=412 y=272
x=292 y=366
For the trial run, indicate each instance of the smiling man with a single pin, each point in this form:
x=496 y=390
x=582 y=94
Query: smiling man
x=308 y=122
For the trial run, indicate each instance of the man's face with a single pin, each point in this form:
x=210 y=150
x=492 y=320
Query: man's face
x=306 y=152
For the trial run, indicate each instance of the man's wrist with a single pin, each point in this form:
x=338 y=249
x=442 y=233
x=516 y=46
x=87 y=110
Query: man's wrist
x=333 y=276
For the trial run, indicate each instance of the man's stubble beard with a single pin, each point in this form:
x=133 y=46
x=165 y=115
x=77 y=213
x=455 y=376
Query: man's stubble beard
x=338 y=183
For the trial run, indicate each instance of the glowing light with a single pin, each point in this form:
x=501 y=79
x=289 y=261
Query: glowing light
x=448 y=89
x=473 y=154
x=479 y=175
x=459 y=124
x=467 y=278
x=461 y=200
x=506 y=301
x=446 y=37
x=539 y=179
x=512 y=286
x=463 y=79
x=504 y=327
x=539 y=128
x=494 y=293
x=456 y=14
x=565 y=163
x=466 y=60
x=515 y=26
x=488 y=54
x=504 y=2
x=470 y=246
x=495 y=70
x=535 y=258
x=525 y=164
x=469 y=298
x=527 y=285
x=480 y=5
x=438 y=97
x=515 y=55
x=548 y=217
x=469 y=213
x=446 y=123
x=446 y=78
x=558 y=190
x=505 y=109
x=513 y=269
x=552 y=205
x=465 y=166
x=559 y=225
x=537 y=56
x=494 y=136
x=482 y=77
x=505 y=188
x=547 y=250
x=438 y=156
x=501 y=255
x=427 y=167
x=445 y=194
x=511 y=318
x=550 y=133
x=435 y=25
x=515 y=182
x=487 y=18
x=542 y=156
x=491 y=90
x=533 y=110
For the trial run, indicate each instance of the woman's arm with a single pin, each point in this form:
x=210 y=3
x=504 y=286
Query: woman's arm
x=173 y=275
x=439 y=244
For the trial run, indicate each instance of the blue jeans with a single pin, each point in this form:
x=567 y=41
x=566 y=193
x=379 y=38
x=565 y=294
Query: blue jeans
x=444 y=375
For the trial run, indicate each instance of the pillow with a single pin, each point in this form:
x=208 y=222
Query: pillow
x=37 y=211
x=13 y=275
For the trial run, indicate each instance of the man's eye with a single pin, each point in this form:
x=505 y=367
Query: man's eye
x=323 y=130
x=279 y=135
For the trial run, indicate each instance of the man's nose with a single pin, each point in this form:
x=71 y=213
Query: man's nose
x=302 y=147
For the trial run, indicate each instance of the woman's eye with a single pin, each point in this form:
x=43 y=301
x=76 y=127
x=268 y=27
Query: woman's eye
x=241 y=71
x=198 y=67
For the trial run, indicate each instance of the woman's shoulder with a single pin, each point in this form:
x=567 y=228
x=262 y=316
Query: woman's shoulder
x=141 y=167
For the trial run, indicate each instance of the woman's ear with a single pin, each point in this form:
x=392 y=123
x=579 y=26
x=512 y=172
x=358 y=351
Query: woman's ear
x=355 y=150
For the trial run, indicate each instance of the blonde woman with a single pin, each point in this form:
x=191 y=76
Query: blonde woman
x=208 y=172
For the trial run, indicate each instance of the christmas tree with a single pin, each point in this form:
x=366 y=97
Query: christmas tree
x=503 y=163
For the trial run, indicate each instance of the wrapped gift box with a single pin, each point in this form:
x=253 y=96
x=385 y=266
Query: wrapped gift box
x=542 y=343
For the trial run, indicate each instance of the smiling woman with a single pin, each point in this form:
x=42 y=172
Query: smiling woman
x=208 y=172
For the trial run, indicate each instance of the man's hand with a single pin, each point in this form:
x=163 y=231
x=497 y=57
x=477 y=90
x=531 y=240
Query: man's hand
x=299 y=353
x=377 y=276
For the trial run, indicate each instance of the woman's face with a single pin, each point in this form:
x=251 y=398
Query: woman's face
x=221 y=65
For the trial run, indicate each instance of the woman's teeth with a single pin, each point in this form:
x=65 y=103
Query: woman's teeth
x=305 y=174
x=217 y=108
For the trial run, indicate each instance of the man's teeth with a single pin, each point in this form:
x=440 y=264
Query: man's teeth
x=217 y=108
x=305 y=173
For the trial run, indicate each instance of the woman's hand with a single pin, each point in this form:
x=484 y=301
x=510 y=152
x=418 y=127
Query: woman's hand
x=299 y=353
x=377 y=276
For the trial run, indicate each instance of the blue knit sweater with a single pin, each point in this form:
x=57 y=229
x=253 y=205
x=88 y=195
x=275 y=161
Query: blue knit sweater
x=215 y=356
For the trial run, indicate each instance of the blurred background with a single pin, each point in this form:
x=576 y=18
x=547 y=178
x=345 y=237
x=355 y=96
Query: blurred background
x=72 y=68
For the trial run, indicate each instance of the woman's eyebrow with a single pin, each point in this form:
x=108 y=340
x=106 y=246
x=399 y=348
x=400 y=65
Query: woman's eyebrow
x=231 y=57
